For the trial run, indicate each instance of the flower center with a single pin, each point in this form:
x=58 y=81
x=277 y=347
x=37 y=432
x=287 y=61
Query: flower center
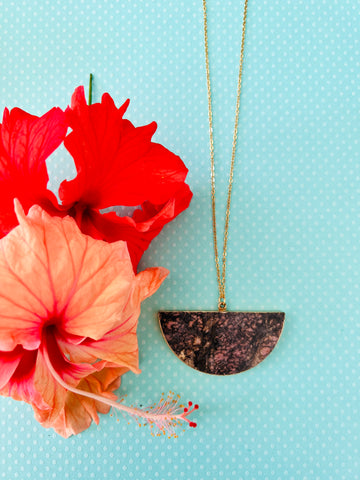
x=49 y=328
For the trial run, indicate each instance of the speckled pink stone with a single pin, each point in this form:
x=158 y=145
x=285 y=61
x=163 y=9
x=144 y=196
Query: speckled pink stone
x=222 y=343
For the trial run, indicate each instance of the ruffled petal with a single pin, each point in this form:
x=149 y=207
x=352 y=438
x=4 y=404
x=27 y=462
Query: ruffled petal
x=9 y=362
x=21 y=384
x=72 y=419
x=137 y=231
x=53 y=394
x=79 y=411
x=25 y=143
x=119 y=346
x=117 y=164
x=25 y=294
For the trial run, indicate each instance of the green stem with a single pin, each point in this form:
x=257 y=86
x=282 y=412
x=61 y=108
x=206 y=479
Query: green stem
x=90 y=88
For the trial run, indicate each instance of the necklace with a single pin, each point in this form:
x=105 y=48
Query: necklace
x=222 y=342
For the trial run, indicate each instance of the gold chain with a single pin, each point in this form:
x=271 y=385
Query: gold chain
x=221 y=274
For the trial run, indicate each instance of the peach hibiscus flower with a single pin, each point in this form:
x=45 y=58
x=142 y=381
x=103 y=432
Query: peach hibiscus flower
x=69 y=306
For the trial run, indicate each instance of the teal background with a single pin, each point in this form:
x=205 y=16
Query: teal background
x=294 y=240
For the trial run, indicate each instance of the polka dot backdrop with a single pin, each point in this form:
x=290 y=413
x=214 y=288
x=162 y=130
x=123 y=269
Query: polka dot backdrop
x=294 y=238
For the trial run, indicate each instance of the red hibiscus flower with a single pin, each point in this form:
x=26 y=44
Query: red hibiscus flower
x=117 y=165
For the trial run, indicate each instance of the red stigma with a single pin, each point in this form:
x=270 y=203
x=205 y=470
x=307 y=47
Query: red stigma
x=188 y=411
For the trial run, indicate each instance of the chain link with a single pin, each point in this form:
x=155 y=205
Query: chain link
x=221 y=273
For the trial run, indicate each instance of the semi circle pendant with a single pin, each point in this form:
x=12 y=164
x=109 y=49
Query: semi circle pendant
x=221 y=343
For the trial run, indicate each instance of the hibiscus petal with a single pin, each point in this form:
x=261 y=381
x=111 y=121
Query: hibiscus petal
x=72 y=419
x=117 y=164
x=78 y=411
x=25 y=143
x=21 y=384
x=163 y=214
x=52 y=393
x=21 y=315
x=9 y=362
x=139 y=230
x=119 y=345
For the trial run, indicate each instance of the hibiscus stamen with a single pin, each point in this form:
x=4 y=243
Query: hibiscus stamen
x=163 y=417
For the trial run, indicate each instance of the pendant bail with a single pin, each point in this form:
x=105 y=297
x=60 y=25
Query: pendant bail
x=222 y=304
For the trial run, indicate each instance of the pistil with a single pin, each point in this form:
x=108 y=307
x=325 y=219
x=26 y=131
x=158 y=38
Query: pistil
x=163 y=416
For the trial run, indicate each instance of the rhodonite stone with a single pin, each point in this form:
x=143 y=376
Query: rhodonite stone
x=222 y=343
